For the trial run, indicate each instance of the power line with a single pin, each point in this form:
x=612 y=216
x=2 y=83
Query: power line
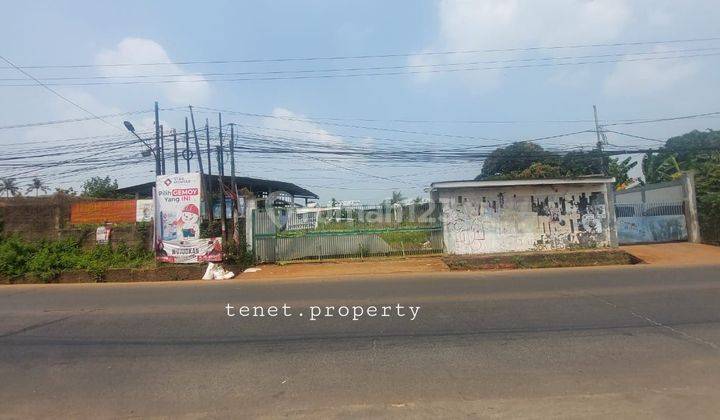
x=371 y=56
x=56 y=93
x=634 y=136
x=72 y=120
x=683 y=117
x=351 y=69
x=334 y=76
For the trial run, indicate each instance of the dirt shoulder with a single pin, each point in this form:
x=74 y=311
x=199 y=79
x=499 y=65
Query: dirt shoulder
x=549 y=259
x=676 y=253
x=335 y=268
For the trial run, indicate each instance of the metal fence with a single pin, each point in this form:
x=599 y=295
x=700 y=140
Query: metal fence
x=283 y=234
x=651 y=222
x=650 y=209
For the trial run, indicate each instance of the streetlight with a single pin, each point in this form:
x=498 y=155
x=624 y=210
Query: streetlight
x=150 y=150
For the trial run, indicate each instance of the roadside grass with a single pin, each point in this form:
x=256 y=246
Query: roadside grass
x=549 y=259
x=406 y=240
x=47 y=259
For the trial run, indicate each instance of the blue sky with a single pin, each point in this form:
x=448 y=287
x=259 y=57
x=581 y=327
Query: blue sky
x=533 y=98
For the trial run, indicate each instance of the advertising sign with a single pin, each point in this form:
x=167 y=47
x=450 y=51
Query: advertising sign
x=144 y=210
x=102 y=234
x=177 y=222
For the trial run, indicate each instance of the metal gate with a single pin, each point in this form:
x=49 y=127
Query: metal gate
x=651 y=222
x=284 y=234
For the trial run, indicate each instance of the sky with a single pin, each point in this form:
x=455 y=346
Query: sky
x=549 y=63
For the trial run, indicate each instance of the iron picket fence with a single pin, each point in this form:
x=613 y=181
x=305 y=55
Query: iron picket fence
x=284 y=234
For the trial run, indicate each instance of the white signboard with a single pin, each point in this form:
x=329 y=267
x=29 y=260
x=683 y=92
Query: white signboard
x=177 y=222
x=102 y=234
x=144 y=210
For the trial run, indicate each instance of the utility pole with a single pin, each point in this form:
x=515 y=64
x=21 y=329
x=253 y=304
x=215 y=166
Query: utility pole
x=600 y=141
x=233 y=187
x=162 y=150
x=175 y=156
x=220 y=134
x=157 y=139
x=208 y=202
x=209 y=168
x=207 y=140
x=232 y=155
x=187 y=145
x=223 y=215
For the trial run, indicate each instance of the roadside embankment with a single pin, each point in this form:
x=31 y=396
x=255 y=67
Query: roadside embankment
x=549 y=259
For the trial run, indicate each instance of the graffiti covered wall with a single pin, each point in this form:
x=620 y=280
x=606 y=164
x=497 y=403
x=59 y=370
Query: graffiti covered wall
x=524 y=218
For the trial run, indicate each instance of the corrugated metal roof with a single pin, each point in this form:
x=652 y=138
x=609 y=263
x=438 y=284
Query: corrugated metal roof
x=256 y=185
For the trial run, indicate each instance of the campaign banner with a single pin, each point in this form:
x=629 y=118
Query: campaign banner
x=178 y=206
x=177 y=221
x=190 y=251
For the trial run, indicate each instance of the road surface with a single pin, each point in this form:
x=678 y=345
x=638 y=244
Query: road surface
x=633 y=342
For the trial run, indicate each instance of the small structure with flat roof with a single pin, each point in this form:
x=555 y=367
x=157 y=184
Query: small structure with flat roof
x=526 y=214
x=261 y=188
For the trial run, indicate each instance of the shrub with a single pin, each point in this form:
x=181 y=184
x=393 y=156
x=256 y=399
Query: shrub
x=47 y=259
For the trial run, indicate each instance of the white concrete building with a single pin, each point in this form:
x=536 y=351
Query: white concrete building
x=524 y=215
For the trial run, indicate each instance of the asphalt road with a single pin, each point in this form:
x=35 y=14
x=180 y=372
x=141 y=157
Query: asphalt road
x=632 y=342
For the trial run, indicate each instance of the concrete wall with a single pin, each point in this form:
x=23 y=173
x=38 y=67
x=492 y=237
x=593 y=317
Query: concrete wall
x=524 y=218
x=35 y=218
x=665 y=192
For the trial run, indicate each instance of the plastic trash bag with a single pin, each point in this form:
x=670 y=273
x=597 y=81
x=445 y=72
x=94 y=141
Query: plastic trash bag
x=217 y=272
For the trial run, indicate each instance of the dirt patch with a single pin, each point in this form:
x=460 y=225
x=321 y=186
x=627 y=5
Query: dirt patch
x=676 y=253
x=345 y=267
x=548 y=259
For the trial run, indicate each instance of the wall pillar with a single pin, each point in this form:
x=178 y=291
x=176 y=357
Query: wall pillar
x=691 y=213
x=611 y=219
x=250 y=205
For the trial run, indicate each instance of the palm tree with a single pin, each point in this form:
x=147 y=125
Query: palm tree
x=9 y=187
x=37 y=185
x=397 y=197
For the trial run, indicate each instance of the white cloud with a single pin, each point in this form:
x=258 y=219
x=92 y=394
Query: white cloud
x=58 y=109
x=140 y=50
x=513 y=23
x=286 y=123
x=649 y=77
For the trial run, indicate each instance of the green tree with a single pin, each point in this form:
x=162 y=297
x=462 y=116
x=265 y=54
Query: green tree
x=515 y=158
x=620 y=170
x=98 y=187
x=694 y=148
x=539 y=170
x=579 y=163
x=660 y=167
x=66 y=191
x=9 y=187
x=37 y=185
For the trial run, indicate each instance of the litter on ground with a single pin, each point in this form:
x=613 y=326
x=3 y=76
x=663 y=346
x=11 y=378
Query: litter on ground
x=217 y=272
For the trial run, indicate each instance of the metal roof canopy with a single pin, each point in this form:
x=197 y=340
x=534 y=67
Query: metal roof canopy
x=259 y=187
x=519 y=182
